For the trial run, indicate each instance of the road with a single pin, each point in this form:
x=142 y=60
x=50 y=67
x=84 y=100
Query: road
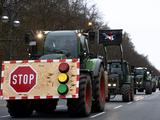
x=144 y=107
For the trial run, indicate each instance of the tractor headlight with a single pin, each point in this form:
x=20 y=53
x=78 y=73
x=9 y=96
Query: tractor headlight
x=114 y=85
x=109 y=85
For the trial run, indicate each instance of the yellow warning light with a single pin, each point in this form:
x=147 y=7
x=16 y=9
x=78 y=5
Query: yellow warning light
x=63 y=78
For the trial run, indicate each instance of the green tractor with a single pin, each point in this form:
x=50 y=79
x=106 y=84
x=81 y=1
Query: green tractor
x=59 y=45
x=143 y=80
x=120 y=81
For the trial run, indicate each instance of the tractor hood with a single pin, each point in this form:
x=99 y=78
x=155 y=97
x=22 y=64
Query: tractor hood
x=113 y=77
x=139 y=78
x=53 y=56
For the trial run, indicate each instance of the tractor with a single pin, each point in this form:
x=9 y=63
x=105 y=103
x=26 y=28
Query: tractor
x=143 y=80
x=64 y=69
x=120 y=80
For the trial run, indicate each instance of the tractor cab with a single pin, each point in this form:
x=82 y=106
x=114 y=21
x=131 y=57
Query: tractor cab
x=58 y=45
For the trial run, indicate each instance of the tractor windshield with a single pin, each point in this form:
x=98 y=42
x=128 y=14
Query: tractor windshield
x=61 y=43
x=139 y=72
x=115 y=68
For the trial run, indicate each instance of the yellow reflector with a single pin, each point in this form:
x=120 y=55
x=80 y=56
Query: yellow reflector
x=63 y=78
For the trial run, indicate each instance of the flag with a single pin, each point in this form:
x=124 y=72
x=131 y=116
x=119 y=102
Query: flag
x=110 y=37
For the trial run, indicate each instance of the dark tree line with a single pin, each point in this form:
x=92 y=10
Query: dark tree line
x=58 y=15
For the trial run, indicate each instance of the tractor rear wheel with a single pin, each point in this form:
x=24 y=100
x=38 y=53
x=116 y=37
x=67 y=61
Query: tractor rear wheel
x=132 y=95
x=126 y=93
x=154 y=87
x=135 y=91
x=148 y=88
x=99 y=92
x=20 y=108
x=82 y=105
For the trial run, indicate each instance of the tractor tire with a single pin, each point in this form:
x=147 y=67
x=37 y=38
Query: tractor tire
x=132 y=95
x=82 y=106
x=99 y=92
x=126 y=93
x=135 y=91
x=45 y=106
x=148 y=88
x=154 y=88
x=108 y=99
x=19 y=108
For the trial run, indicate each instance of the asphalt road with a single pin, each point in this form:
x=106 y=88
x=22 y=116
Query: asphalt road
x=144 y=107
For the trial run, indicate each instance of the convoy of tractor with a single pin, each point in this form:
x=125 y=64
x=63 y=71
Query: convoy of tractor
x=64 y=67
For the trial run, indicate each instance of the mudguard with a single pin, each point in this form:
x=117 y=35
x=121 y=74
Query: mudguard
x=94 y=65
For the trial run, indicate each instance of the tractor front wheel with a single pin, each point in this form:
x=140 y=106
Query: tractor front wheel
x=148 y=88
x=126 y=93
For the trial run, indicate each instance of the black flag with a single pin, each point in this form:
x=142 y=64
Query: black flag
x=110 y=37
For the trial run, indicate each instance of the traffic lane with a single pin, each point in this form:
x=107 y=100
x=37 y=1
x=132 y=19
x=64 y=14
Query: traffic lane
x=61 y=112
x=146 y=108
x=3 y=109
x=110 y=111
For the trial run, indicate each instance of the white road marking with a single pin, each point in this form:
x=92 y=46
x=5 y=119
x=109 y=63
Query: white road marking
x=138 y=98
x=129 y=103
x=4 y=116
x=97 y=115
x=118 y=107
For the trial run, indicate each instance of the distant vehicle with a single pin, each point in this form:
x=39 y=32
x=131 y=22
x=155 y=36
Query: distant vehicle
x=143 y=80
x=120 y=80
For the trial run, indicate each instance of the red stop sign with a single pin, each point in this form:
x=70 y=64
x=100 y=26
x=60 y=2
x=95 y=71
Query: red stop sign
x=23 y=79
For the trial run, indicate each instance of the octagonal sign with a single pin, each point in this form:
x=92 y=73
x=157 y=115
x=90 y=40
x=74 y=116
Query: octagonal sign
x=23 y=79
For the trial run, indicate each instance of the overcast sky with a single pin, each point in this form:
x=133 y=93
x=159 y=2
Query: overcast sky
x=139 y=18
